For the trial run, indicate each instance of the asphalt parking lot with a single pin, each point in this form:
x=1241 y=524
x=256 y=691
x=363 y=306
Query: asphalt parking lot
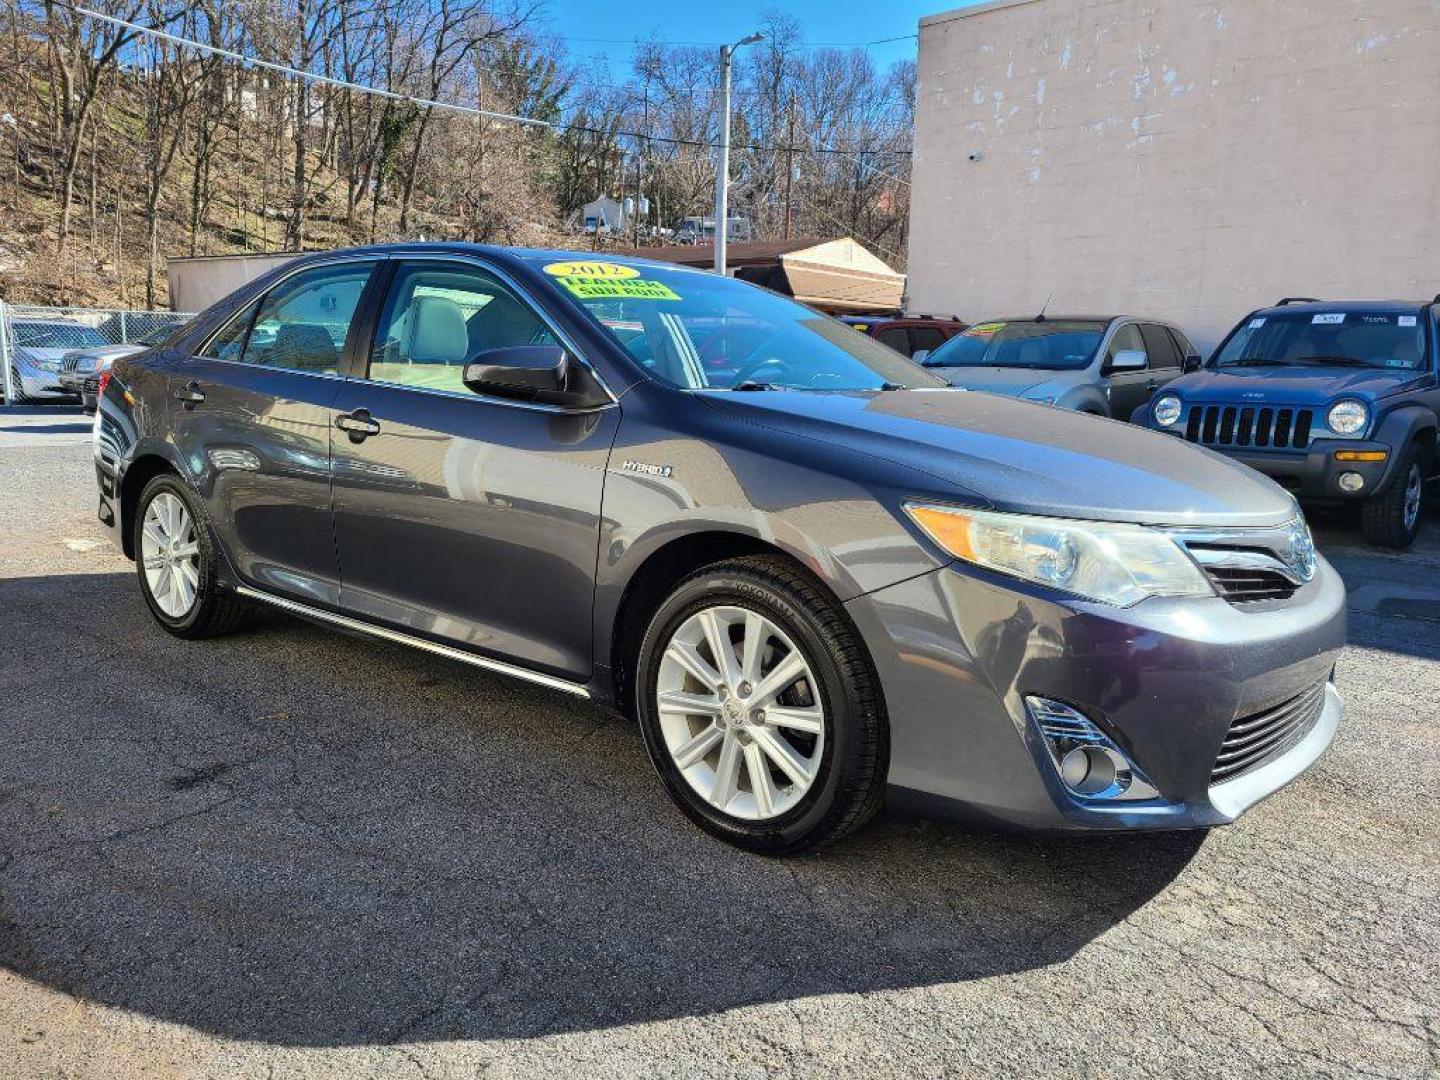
x=294 y=853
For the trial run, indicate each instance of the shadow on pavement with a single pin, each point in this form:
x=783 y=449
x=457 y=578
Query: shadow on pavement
x=307 y=839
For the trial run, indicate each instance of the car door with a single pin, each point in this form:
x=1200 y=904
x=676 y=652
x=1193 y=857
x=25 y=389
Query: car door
x=250 y=414
x=1165 y=356
x=466 y=518
x=1126 y=390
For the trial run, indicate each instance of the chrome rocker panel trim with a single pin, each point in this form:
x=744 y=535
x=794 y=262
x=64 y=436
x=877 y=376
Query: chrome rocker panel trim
x=554 y=682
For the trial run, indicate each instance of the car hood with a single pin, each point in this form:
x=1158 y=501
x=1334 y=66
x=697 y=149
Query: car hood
x=1017 y=456
x=40 y=356
x=1299 y=384
x=995 y=380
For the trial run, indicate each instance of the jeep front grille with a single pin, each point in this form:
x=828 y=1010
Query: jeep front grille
x=1263 y=736
x=1266 y=427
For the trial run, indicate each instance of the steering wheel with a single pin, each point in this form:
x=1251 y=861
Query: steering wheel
x=749 y=372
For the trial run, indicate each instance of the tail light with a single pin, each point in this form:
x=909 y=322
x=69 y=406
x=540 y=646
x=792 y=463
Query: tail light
x=104 y=382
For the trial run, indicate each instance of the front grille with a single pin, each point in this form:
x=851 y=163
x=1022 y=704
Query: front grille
x=1242 y=584
x=1263 y=736
x=92 y=384
x=1267 y=428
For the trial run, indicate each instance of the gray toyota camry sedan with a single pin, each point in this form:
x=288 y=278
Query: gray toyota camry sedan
x=811 y=571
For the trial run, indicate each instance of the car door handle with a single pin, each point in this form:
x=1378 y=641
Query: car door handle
x=191 y=394
x=359 y=424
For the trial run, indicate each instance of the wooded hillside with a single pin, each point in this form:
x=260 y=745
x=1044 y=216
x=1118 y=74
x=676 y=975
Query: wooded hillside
x=125 y=149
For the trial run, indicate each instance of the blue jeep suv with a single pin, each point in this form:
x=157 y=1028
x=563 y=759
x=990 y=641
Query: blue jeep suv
x=1334 y=400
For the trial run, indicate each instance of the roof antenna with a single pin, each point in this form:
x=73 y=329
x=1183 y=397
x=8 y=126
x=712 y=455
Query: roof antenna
x=1045 y=306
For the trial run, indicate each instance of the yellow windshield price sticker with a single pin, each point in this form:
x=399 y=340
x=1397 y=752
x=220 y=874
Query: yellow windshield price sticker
x=587 y=288
x=606 y=270
x=985 y=329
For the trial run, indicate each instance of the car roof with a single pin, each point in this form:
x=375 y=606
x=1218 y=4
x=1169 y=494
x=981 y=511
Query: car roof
x=1307 y=306
x=876 y=320
x=495 y=252
x=1064 y=318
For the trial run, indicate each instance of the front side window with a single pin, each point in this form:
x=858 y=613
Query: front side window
x=440 y=316
x=1383 y=339
x=699 y=331
x=1127 y=339
x=300 y=324
x=1052 y=345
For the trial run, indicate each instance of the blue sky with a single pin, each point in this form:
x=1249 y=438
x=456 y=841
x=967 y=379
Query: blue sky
x=822 y=21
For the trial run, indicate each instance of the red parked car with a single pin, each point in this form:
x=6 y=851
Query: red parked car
x=908 y=334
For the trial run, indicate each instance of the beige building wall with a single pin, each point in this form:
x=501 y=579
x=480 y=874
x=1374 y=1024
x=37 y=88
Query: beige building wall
x=1177 y=158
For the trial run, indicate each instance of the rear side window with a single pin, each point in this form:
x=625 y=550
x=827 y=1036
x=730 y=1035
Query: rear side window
x=1160 y=346
x=1184 y=344
x=300 y=325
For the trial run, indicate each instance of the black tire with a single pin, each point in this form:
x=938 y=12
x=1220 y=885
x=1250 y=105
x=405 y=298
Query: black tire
x=215 y=611
x=1384 y=520
x=849 y=787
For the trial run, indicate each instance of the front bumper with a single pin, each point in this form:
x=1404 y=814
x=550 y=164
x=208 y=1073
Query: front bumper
x=958 y=649
x=38 y=383
x=1315 y=473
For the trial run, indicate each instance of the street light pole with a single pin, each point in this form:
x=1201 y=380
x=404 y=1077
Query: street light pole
x=722 y=172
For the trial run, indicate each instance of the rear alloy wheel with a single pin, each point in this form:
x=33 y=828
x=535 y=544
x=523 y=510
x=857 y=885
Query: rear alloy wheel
x=175 y=561
x=1392 y=518
x=760 y=709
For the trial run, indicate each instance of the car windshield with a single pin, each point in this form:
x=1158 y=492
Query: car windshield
x=41 y=335
x=700 y=331
x=1053 y=345
x=1384 y=339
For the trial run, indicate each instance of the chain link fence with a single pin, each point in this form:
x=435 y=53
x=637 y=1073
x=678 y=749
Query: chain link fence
x=46 y=352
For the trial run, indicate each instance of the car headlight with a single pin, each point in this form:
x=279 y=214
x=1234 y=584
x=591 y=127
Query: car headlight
x=1112 y=563
x=1347 y=417
x=1167 y=409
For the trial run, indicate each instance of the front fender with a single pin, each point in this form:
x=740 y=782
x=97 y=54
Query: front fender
x=835 y=512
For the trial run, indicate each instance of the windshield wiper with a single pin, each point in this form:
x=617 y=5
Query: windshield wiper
x=1339 y=361
x=755 y=384
x=893 y=386
x=1255 y=361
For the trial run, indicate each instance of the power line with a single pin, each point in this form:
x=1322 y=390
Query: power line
x=468 y=110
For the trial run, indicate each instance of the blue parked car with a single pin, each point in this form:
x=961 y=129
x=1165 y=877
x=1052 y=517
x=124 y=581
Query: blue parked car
x=1334 y=400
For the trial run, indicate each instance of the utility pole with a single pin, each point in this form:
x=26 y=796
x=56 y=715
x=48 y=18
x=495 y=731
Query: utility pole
x=639 y=164
x=722 y=172
x=789 y=163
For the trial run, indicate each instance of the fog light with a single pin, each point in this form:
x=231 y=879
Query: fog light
x=1351 y=481
x=1089 y=764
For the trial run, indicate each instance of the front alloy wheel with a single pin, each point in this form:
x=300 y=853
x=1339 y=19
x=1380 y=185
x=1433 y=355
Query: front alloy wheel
x=760 y=707
x=738 y=712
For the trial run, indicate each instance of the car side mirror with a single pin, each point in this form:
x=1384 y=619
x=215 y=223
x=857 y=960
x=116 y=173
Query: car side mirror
x=1127 y=360
x=541 y=373
x=920 y=356
x=1192 y=363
